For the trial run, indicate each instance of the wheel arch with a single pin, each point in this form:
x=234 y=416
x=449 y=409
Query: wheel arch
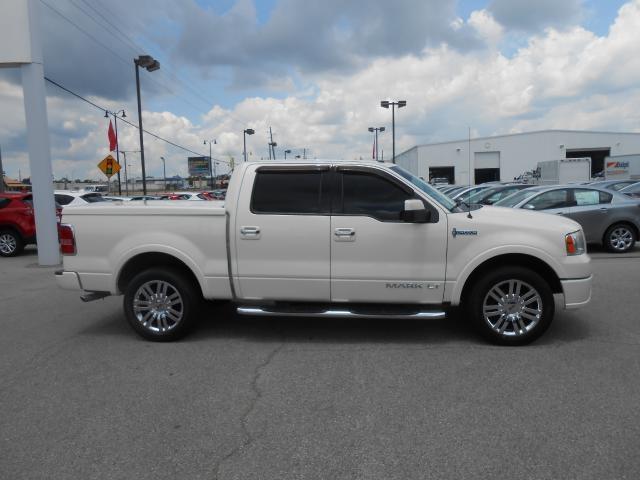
x=512 y=259
x=627 y=223
x=143 y=261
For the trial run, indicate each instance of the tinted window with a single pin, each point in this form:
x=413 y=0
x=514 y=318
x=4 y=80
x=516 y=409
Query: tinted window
x=4 y=202
x=372 y=195
x=586 y=197
x=93 y=197
x=549 y=200
x=63 y=199
x=605 y=197
x=288 y=192
x=500 y=194
x=515 y=198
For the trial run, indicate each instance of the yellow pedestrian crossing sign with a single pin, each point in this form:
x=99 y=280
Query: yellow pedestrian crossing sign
x=109 y=166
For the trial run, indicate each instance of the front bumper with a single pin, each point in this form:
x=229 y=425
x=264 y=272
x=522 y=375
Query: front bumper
x=68 y=280
x=577 y=292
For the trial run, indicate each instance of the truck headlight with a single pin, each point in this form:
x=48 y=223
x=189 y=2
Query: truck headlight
x=574 y=243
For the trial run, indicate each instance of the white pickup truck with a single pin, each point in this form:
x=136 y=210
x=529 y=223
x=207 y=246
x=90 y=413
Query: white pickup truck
x=327 y=239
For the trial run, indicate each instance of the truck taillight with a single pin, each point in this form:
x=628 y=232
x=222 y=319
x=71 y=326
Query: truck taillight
x=67 y=239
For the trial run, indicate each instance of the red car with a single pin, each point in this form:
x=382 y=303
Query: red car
x=17 y=222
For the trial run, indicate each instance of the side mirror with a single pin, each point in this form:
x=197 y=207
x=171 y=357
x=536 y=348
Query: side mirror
x=415 y=212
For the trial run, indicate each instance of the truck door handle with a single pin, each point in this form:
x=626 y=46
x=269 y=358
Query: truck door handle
x=250 y=233
x=345 y=234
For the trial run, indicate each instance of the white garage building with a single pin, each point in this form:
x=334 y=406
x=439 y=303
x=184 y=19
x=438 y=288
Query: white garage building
x=505 y=157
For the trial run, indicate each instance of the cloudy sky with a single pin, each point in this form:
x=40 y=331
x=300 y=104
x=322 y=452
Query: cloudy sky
x=316 y=71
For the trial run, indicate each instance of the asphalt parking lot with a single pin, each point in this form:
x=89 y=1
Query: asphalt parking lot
x=252 y=398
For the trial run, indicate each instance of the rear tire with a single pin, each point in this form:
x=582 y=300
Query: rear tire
x=161 y=304
x=11 y=243
x=511 y=306
x=620 y=238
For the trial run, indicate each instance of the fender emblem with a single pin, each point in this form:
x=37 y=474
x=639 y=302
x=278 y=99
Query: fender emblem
x=455 y=232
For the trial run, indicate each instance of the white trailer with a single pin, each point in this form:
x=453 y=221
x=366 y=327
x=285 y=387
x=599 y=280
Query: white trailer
x=566 y=170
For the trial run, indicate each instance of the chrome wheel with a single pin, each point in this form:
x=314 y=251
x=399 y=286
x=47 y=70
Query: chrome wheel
x=512 y=308
x=8 y=244
x=158 y=306
x=621 y=239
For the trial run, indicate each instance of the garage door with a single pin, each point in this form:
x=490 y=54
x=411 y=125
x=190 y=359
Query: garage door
x=487 y=159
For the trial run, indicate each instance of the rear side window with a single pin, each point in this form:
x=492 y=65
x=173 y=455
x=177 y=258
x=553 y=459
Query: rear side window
x=366 y=194
x=289 y=193
x=93 y=198
x=549 y=200
x=4 y=202
x=586 y=197
x=63 y=199
x=605 y=197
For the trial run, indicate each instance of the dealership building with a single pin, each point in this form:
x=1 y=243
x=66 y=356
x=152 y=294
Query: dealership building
x=505 y=157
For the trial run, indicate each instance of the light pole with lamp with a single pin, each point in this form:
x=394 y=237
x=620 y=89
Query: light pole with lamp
x=211 y=166
x=399 y=104
x=122 y=114
x=126 y=178
x=151 y=64
x=285 y=153
x=376 y=129
x=247 y=131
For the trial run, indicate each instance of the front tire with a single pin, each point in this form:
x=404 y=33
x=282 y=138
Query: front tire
x=511 y=306
x=161 y=304
x=620 y=238
x=11 y=244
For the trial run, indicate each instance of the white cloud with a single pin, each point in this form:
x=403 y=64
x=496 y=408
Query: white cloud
x=560 y=79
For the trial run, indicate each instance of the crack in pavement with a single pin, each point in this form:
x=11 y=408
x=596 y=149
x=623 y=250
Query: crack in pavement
x=244 y=419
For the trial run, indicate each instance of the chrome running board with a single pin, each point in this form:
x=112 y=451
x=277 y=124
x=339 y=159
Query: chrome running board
x=339 y=313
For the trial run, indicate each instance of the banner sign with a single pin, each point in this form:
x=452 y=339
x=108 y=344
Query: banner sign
x=616 y=169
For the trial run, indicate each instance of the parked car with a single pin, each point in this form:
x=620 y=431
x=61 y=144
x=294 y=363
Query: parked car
x=146 y=197
x=609 y=218
x=494 y=193
x=615 y=185
x=289 y=242
x=632 y=190
x=455 y=190
x=116 y=198
x=192 y=196
x=17 y=222
x=219 y=194
x=72 y=197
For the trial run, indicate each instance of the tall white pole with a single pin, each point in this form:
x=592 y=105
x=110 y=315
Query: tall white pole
x=35 y=107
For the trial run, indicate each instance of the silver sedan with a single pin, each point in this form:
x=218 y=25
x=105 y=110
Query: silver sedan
x=606 y=217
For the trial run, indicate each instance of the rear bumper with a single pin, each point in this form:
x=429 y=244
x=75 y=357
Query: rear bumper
x=68 y=280
x=577 y=292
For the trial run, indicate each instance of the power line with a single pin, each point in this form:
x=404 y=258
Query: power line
x=158 y=137
x=136 y=47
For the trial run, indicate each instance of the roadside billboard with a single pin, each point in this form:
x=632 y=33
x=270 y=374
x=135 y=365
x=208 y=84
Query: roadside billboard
x=198 y=166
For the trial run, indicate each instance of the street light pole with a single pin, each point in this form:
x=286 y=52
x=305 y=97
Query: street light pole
x=247 y=131
x=148 y=62
x=285 y=153
x=376 y=130
x=399 y=104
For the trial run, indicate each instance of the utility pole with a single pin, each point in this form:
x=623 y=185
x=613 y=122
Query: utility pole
x=272 y=145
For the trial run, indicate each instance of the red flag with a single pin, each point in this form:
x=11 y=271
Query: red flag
x=113 y=140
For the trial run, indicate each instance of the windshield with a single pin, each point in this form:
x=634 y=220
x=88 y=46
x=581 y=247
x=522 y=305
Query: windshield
x=633 y=188
x=426 y=188
x=516 y=198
